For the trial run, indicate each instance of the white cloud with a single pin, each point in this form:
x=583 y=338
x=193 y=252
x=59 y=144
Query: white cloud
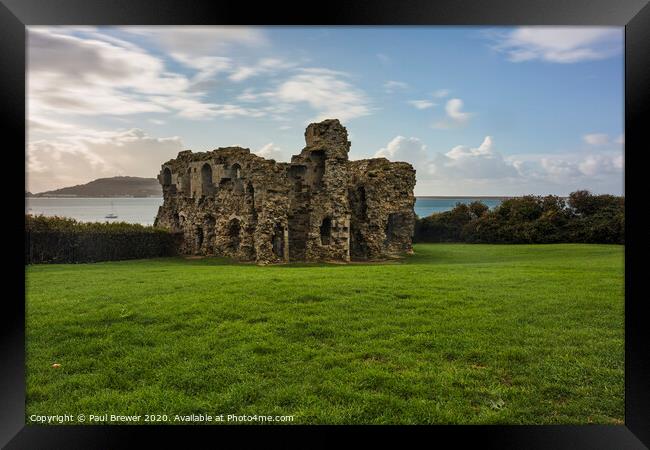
x=596 y=165
x=596 y=139
x=326 y=91
x=604 y=140
x=441 y=93
x=79 y=158
x=600 y=171
x=192 y=109
x=422 y=104
x=263 y=66
x=394 y=86
x=401 y=148
x=558 y=44
x=207 y=67
x=482 y=170
x=200 y=40
x=211 y=51
x=455 y=115
x=271 y=151
x=453 y=108
x=75 y=76
x=463 y=162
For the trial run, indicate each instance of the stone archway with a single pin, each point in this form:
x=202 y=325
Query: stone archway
x=206 y=179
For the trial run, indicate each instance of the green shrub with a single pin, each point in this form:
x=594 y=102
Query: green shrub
x=586 y=218
x=63 y=240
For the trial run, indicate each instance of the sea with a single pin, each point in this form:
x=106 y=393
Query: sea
x=143 y=210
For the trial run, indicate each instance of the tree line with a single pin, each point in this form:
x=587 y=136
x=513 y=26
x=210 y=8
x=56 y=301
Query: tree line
x=582 y=218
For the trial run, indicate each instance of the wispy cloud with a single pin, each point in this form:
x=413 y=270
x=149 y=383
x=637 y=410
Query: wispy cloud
x=441 y=93
x=327 y=92
x=264 y=66
x=422 y=104
x=596 y=139
x=200 y=40
x=75 y=76
x=391 y=86
x=557 y=44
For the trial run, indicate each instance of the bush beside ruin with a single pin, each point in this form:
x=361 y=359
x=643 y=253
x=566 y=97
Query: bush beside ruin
x=63 y=240
x=583 y=218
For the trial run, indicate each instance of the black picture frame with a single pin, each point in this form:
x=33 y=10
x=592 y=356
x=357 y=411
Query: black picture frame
x=634 y=15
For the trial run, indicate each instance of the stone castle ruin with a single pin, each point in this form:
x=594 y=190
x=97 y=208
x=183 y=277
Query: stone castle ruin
x=319 y=207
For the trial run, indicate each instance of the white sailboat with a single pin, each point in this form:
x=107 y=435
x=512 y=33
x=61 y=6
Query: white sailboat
x=112 y=214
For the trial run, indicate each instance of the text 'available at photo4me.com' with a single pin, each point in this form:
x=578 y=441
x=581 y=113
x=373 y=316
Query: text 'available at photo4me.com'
x=202 y=418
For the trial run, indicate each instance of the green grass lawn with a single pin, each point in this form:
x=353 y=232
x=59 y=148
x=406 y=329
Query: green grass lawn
x=453 y=334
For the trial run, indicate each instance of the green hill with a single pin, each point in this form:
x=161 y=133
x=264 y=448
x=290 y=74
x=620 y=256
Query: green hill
x=110 y=187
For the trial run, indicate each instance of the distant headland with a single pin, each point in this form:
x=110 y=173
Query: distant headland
x=108 y=187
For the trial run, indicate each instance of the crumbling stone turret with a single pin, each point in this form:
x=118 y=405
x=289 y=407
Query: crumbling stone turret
x=318 y=207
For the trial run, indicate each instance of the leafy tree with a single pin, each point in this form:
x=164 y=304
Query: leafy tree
x=530 y=219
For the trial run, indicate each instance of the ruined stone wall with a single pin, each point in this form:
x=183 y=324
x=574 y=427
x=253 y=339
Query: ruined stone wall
x=326 y=161
x=235 y=208
x=319 y=207
x=383 y=219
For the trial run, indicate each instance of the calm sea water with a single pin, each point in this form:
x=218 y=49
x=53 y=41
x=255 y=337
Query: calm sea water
x=132 y=210
x=144 y=210
x=426 y=206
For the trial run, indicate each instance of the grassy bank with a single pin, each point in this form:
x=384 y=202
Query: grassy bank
x=454 y=334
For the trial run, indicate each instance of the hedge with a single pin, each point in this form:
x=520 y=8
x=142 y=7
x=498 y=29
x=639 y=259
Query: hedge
x=63 y=240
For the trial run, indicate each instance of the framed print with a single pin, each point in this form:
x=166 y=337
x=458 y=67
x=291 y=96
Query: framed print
x=378 y=217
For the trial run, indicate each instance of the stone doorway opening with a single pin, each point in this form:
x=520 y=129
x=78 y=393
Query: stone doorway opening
x=278 y=241
x=326 y=231
x=394 y=224
x=234 y=235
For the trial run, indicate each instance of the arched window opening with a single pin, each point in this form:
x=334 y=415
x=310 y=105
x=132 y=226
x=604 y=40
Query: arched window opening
x=236 y=171
x=326 y=231
x=206 y=178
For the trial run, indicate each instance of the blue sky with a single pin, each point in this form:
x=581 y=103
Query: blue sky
x=476 y=110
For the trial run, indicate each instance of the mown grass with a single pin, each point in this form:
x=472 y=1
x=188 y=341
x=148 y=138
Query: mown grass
x=453 y=334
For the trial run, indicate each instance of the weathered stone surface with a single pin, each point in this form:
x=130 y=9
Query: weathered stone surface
x=318 y=207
